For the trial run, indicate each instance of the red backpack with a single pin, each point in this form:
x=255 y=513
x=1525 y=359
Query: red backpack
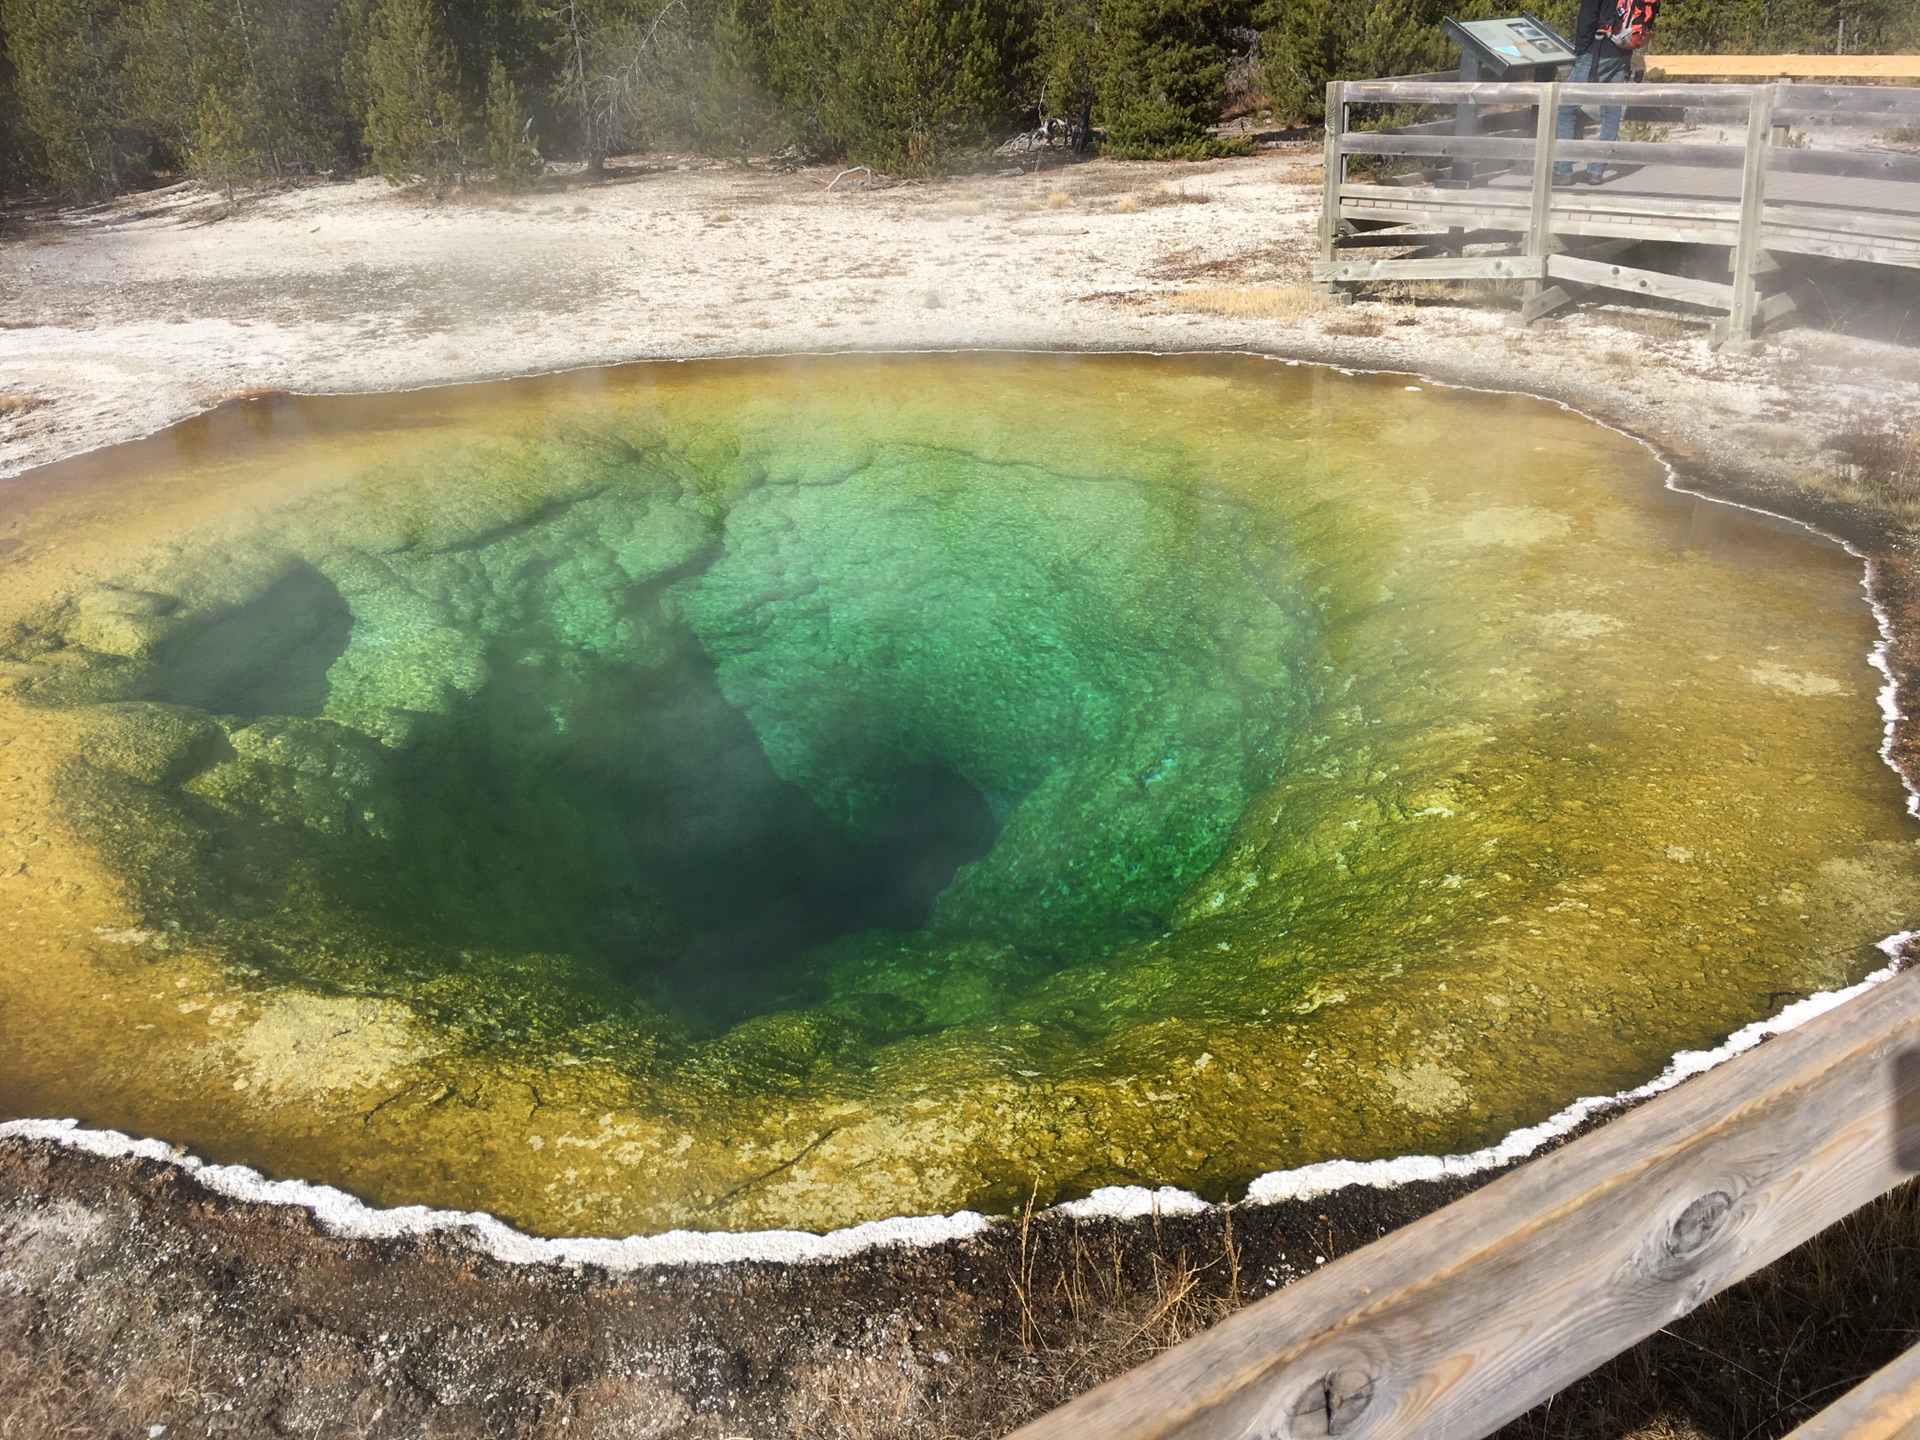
x=1632 y=24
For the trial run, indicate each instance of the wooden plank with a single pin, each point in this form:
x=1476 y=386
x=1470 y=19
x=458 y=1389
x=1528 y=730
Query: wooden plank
x=1776 y=308
x=1566 y=222
x=1847 y=164
x=1433 y=198
x=1540 y=206
x=1789 y=67
x=1640 y=282
x=1571 y=216
x=1444 y=267
x=1490 y=92
x=1846 y=102
x=1646 y=152
x=1494 y=147
x=1738 y=329
x=1543 y=302
x=1492 y=122
x=1884 y=1406
x=1478 y=147
x=1603 y=201
x=1466 y=1319
x=1336 y=170
x=1878 y=252
x=1409 y=239
x=1842 y=222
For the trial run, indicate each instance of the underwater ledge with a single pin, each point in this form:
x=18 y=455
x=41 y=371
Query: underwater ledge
x=346 y=1216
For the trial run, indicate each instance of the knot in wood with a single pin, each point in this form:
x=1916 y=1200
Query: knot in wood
x=1693 y=1232
x=1332 y=1404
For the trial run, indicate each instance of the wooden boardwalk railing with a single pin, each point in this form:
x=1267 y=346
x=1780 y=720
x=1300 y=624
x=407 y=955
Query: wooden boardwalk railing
x=1788 y=67
x=1456 y=1324
x=1736 y=179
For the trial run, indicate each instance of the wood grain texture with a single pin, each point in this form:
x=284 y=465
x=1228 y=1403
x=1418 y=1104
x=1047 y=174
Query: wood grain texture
x=1640 y=282
x=1445 y=267
x=1336 y=167
x=1884 y=1406
x=1513 y=92
x=1786 y=67
x=1753 y=195
x=1845 y=103
x=1449 y=1328
x=1540 y=191
x=1618 y=152
x=1409 y=239
x=1846 y=164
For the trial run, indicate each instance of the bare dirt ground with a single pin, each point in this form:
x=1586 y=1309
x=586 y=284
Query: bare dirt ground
x=117 y=320
x=135 y=1303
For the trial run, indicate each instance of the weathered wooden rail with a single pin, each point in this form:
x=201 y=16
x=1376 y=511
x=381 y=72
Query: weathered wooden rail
x=1788 y=67
x=1456 y=1324
x=1736 y=180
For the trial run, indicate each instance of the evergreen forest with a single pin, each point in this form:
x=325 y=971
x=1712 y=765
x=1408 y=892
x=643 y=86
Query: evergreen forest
x=99 y=96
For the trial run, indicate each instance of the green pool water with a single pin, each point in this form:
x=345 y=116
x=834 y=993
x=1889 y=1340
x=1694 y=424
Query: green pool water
x=790 y=793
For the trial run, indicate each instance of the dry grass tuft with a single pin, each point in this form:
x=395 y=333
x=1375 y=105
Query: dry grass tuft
x=1169 y=195
x=1362 y=327
x=1760 y=1358
x=1658 y=324
x=1058 y=200
x=1876 y=465
x=1127 y=204
x=1288 y=303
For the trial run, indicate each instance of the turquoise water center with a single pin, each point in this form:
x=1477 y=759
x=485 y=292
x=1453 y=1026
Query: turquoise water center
x=790 y=793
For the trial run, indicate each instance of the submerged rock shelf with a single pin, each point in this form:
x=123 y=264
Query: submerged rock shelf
x=796 y=793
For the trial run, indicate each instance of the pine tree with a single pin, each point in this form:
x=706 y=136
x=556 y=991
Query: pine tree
x=511 y=154
x=17 y=162
x=735 y=109
x=1165 y=65
x=224 y=153
x=614 y=60
x=416 y=120
x=67 y=60
x=1067 y=65
x=1303 y=42
x=915 y=85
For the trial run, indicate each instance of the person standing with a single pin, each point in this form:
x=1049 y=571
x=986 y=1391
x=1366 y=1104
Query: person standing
x=1603 y=44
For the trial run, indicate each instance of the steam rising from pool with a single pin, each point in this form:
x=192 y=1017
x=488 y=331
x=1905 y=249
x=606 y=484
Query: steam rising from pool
x=798 y=794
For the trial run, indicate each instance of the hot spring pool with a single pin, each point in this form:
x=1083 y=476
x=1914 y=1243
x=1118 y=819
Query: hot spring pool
x=741 y=795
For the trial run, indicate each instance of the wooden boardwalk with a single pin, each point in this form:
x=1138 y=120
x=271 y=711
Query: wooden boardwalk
x=1740 y=176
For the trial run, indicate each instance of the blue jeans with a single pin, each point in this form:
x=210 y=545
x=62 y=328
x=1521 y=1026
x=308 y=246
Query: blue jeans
x=1601 y=63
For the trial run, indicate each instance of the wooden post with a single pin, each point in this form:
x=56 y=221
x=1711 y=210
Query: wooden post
x=1736 y=331
x=1336 y=175
x=1540 y=298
